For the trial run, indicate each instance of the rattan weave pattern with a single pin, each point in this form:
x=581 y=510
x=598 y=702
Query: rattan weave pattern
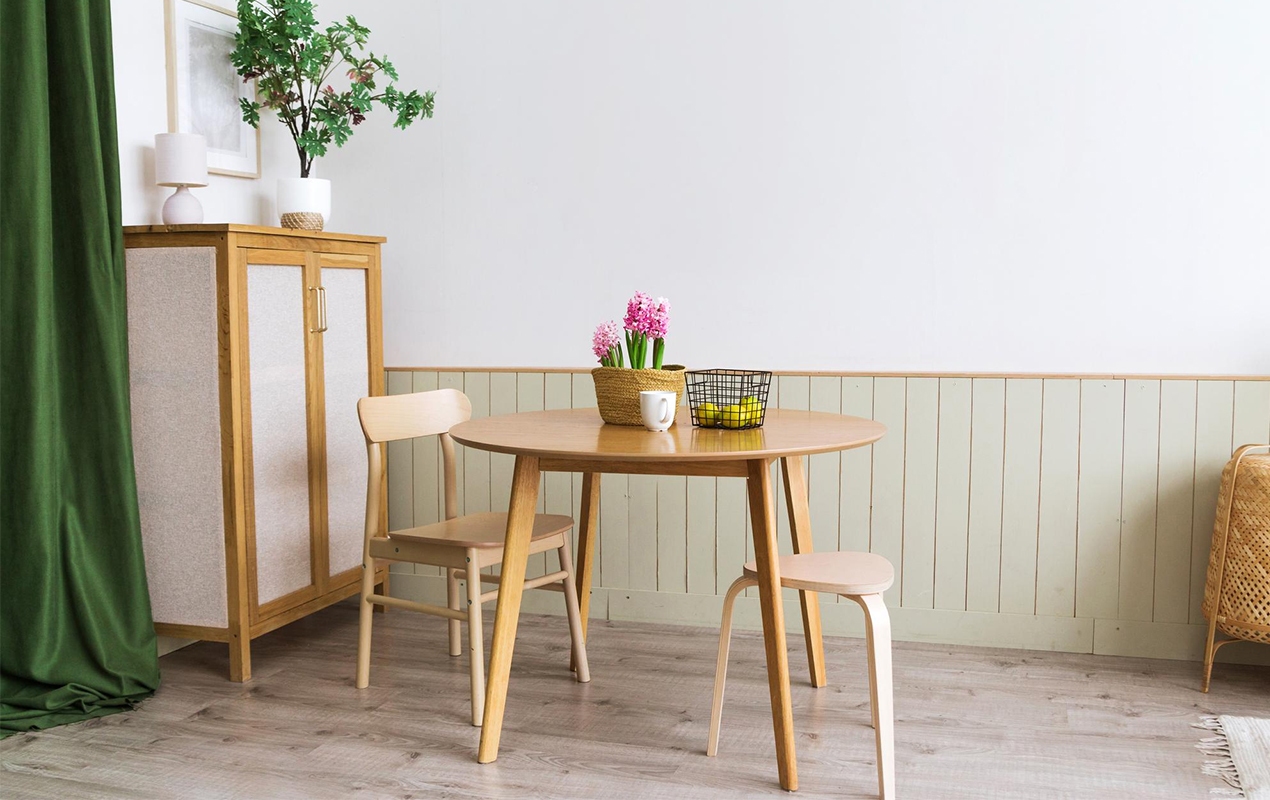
x=1243 y=545
x=617 y=390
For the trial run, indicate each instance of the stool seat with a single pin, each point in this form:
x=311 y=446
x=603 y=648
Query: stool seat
x=843 y=572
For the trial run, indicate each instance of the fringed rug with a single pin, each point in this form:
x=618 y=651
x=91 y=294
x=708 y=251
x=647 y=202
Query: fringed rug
x=1241 y=747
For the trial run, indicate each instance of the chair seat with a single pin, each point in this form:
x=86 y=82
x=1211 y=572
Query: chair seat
x=837 y=572
x=487 y=529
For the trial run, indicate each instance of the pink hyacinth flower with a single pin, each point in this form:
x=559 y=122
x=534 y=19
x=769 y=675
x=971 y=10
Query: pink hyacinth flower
x=605 y=339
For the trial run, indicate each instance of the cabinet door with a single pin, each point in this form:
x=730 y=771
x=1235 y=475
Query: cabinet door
x=350 y=356
x=282 y=483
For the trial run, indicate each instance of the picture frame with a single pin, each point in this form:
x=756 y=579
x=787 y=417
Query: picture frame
x=203 y=87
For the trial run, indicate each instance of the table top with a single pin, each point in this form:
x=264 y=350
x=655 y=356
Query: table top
x=580 y=433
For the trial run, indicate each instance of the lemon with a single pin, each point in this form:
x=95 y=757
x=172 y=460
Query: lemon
x=708 y=414
x=732 y=417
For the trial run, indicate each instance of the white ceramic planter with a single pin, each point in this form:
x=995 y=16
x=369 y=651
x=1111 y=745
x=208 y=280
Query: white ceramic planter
x=304 y=196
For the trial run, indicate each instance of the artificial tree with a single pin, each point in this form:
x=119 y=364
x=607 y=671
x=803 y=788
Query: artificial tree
x=280 y=44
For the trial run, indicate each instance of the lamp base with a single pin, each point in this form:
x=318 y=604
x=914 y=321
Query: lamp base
x=182 y=208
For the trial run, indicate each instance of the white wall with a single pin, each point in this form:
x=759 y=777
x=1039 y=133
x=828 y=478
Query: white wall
x=893 y=186
x=906 y=186
x=141 y=110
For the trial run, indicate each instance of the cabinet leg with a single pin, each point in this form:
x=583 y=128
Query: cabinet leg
x=239 y=657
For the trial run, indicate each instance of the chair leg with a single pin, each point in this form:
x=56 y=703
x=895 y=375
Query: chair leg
x=364 y=622
x=575 y=615
x=475 y=636
x=452 y=598
x=878 y=623
x=721 y=664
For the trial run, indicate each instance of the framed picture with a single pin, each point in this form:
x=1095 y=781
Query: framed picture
x=203 y=88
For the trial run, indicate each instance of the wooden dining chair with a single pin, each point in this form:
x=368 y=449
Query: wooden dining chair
x=862 y=577
x=460 y=545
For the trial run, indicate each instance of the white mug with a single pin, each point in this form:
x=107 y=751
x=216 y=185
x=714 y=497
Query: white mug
x=657 y=409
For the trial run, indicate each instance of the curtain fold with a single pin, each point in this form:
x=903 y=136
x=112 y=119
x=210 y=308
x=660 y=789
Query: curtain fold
x=76 y=636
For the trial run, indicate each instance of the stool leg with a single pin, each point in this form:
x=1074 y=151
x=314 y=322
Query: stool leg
x=873 y=689
x=878 y=624
x=452 y=597
x=475 y=636
x=721 y=664
x=572 y=608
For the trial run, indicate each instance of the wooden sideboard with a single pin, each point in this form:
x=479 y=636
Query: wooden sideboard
x=248 y=349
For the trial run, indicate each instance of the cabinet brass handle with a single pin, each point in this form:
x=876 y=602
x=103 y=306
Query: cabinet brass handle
x=321 y=309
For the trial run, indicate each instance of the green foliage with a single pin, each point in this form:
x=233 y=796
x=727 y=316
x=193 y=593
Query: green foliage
x=280 y=45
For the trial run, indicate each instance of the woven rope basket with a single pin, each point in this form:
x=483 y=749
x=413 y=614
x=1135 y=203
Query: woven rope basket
x=1239 y=563
x=617 y=390
x=303 y=220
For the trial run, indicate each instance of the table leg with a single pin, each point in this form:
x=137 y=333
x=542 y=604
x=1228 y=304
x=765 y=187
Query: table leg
x=800 y=527
x=763 y=522
x=589 y=518
x=511 y=585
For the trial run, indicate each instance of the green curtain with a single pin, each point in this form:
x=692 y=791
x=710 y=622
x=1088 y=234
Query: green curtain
x=76 y=637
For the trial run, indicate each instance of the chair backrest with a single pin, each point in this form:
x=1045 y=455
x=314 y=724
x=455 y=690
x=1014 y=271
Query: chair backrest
x=407 y=416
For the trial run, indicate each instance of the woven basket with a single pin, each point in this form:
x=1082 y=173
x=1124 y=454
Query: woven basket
x=617 y=390
x=1239 y=563
x=303 y=220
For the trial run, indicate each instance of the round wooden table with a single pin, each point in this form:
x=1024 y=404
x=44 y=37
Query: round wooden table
x=576 y=440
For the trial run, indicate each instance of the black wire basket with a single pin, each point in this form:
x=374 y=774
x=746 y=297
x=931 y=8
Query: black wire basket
x=735 y=399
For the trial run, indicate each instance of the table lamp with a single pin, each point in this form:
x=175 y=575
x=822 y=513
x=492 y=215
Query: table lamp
x=180 y=160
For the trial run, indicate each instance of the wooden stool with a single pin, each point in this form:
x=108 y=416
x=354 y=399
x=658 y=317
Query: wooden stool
x=1237 y=590
x=863 y=577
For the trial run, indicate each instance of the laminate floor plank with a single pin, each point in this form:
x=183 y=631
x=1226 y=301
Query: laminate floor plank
x=970 y=722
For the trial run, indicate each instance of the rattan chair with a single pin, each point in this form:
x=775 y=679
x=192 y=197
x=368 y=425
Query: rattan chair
x=1237 y=590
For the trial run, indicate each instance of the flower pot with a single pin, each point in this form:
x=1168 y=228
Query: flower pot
x=304 y=203
x=617 y=390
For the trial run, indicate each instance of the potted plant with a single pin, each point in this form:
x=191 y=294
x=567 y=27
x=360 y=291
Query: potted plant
x=280 y=45
x=621 y=377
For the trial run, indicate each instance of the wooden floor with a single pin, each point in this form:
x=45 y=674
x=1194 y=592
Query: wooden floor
x=971 y=722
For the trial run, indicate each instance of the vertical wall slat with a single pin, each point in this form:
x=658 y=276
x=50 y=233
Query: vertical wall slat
x=558 y=486
x=530 y=396
x=476 y=486
x=426 y=452
x=921 y=458
x=1101 y=461
x=672 y=534
x=452 y=380
x=614 y=521
x=855 y=491
x=701 y=533
x=1060 y=467
x=824 y=471
x=987 y=470
x=1214 y=434
x=1252 y=413
x=729 y=531
x=400 y=468
x=1138 y=499
x=642 y=532
x=952 y=493
x=1020 y=495
x=583 y=396
x=887 y=523
x=502 y=400
x=1175 y=502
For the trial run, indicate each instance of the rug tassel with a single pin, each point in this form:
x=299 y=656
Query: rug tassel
x=1218 y=747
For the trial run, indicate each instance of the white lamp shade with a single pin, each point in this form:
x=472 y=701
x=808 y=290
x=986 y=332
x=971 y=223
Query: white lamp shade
x=180 y=159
